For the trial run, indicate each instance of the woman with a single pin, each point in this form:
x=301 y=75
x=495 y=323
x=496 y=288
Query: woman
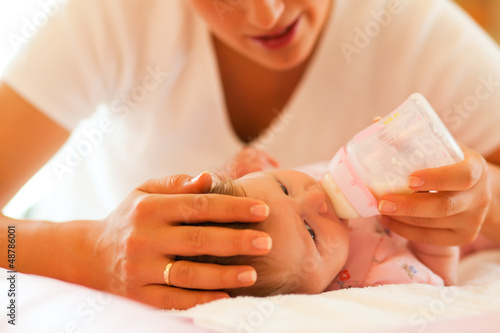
x=181 y=86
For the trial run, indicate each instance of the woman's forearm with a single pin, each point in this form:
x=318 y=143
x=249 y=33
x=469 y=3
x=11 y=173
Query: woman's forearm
x=56 y=250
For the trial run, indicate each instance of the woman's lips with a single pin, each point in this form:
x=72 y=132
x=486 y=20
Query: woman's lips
x=280 y=39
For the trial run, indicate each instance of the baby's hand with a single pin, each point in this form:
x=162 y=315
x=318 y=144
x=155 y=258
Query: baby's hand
x=248 y=160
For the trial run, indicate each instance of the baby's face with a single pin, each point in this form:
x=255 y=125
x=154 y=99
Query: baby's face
x=310 y=243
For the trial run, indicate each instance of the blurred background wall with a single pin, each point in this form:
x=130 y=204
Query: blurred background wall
x=486 y=13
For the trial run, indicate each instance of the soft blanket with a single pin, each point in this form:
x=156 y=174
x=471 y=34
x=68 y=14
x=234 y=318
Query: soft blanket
x=413 y=308
x=47 y=305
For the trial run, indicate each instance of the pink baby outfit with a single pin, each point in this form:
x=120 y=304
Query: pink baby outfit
x=378 y=256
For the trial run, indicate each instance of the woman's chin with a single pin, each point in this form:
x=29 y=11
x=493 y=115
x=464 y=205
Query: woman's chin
x=282 y=62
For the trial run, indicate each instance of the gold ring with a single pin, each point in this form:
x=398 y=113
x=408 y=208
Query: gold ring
x=166 y=272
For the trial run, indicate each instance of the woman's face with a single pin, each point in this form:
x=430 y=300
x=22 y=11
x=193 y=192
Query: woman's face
x=277 y=34
x=310 y=243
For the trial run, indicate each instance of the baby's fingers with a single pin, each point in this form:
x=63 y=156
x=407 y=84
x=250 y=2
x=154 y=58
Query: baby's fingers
x=271 y=161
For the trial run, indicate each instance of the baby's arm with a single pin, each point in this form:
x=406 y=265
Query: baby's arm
x=248 y=159
x=442 y=260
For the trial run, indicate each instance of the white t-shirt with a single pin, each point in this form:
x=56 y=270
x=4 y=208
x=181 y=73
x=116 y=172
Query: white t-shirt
x=143 y=77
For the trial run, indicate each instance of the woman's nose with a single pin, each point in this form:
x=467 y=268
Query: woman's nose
x=314 y=200
x=265 y=14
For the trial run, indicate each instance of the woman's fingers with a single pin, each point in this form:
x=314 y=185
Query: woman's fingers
x=166 y=204
x=192 y=275
x=195 y=208
x=164 y=297
x=451 y=216
x=178 y=184
x=217 y=241
x=152 y=224
x=443 y=218
x=435 y=236
x=455 y=177
x=450 y=222
x=425 y=205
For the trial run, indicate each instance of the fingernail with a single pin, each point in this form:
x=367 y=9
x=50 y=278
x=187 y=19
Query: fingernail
x=415 y=181
x=387 y=206
x=260 y=210
x=195 y=179
x=248 y=276
x=263 y=243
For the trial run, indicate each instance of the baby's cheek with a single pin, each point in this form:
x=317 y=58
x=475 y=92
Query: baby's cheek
x=336 y=241
x=335 y=249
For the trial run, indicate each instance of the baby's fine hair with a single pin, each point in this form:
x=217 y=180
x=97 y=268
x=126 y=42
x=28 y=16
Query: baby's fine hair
x=269 y=280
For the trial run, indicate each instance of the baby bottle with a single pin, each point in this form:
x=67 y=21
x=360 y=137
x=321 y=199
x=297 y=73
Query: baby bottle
x=379 y=159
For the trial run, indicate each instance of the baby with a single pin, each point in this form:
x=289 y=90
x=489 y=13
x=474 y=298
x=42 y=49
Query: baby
x=315 y=251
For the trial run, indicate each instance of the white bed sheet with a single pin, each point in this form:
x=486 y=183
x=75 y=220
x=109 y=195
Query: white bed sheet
x=47 y=305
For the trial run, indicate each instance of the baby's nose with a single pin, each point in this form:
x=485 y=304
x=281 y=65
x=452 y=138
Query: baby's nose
x=314 y=198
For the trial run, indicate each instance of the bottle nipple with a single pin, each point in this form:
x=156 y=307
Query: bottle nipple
x=341 y=205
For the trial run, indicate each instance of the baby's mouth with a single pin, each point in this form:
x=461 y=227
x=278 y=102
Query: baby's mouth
x=328 y=209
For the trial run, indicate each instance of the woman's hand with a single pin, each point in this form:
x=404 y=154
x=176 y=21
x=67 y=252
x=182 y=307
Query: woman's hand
x=452 y=216
x=144 y=233
x=248 y=160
